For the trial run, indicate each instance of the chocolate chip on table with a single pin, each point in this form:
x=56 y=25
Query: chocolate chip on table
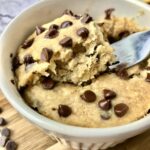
x=5 y=132
x=68 y=12
x=15 y=63
x=2 y=121
x=48 y=83
x=28 y=59
x=148 y=77
x=105 y=116
x=105 y=104
x=11 y=145
x=88 y=96
x=46 y=54
x=83 y=32
x=109 y=94
x=86 y=18
x=121 y=71
x=27 y=43
x=3 y=140
x=66 y=24
x=108 y=13
x=54 y=26
x=64 y=111
x=66 y=42
x=121 y=109
x=39 y=30
x=52 y=33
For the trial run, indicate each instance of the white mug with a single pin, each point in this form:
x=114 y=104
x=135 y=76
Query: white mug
x=23 y=25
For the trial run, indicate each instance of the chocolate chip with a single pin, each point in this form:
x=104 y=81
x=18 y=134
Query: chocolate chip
x=105 y=104
x=66 y=24
x=15 y=63
x=35 y=109
x=22 y=89
x=83 y=32
x=52 y=33
x=108 y=13
x=2 y=121
x=28 y=59
x=12 y=81
x=123 y=34
x=48 y=83
x=148 y=77
x=11 y=145
x=39 y=30
x=86 y=18
x=88 y=96
x=109 y=94
x=121 y=109
x=148 y=112
x=66 y=42
x=78 y=48
x=54 y=26
x=5 y=132
x=121 y=71
x=54 y=109
x=11 y=55
x=86 y=83
x=3 y=141
x=105 y=116
x=27 y=43
x=116 y=62
x=68 y=12
x=1 y=110
x=46 y=54
x=111 y=39
x=123 y=74
x=77 y=16
x=64 y=111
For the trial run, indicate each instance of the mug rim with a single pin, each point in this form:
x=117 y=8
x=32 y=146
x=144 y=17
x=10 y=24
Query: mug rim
x=59 y=127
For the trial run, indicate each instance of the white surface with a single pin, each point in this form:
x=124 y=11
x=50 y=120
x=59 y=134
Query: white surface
x=41 y=13
x=11 y=8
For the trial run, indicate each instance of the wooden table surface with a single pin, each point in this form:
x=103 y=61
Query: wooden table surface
x=24 y=133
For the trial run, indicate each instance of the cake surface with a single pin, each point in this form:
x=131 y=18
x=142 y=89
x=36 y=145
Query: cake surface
x=62 y=72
